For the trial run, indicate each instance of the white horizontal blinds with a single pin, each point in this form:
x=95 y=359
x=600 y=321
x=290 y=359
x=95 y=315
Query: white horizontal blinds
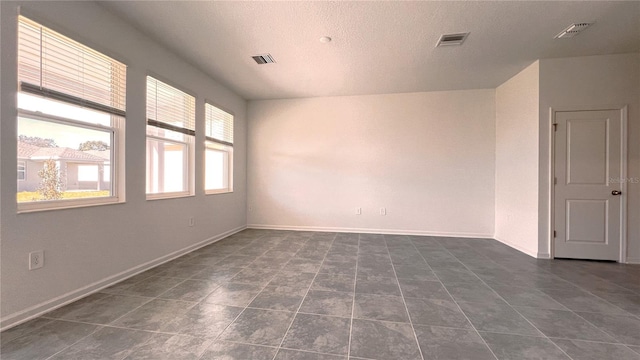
x=219 y=125
x=53 y=65
x=170 y=108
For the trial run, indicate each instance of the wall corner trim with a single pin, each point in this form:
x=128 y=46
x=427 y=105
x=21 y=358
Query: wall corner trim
x=532 y=253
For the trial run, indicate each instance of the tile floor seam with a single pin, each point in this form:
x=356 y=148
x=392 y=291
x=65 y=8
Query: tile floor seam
x=150 y=299
x=455 y=302
x=159 y=296
x=302 y=301
x=512 y=308
x=305 y=351
x=75 y=342
x=353 y=300
x=591 y=341
x=327 y=315
x=217 y=338
x=406 y=308
x=603 y=330
x=625 y=310
x=130 y=311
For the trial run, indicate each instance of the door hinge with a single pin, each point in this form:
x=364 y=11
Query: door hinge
x=554 y=233
x=555 y=181
x=555 y=127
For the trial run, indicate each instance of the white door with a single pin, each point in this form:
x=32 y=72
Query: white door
x=588 y=181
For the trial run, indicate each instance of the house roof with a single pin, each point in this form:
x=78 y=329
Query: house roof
x=32 y=152
x=26 y=150
x=103 y=154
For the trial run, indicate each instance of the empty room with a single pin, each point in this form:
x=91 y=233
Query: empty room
x=320 y=180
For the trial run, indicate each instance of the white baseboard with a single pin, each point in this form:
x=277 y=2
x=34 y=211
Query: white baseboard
x=370 y=231
x=52 y=304
x=633 y=260
x=532 y=253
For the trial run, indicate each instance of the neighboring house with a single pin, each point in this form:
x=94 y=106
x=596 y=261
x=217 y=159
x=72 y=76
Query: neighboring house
x=81 y=170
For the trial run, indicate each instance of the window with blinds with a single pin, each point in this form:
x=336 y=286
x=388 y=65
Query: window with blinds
x=171 y=123
x=219 y=125
x=71 y=117
x=52 y=65
x=218 y=150
x=170 y=108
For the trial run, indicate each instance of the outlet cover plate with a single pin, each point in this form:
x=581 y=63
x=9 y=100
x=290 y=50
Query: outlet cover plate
x=36 y=259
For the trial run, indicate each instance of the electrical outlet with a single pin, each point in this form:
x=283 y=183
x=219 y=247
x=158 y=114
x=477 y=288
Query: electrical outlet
x=36 y=259
x=358 y=211
x=192 y=221
x=383 y=211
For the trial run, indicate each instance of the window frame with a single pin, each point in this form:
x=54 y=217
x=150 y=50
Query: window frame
x=116 y=128
x=218 y=145
x=187 y=177
x=117 y=193
x=189 y=141
x=210 y=145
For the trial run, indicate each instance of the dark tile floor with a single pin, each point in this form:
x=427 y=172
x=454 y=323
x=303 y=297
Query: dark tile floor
x=296 y=295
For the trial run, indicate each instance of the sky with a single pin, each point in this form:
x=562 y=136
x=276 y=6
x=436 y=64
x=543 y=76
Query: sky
x=64 y=135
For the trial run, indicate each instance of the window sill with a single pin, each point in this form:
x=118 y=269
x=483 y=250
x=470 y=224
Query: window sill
x=30 y=207
x=219 y=191
x=172 y=195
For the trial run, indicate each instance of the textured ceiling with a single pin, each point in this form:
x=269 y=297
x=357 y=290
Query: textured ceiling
x=377 y=47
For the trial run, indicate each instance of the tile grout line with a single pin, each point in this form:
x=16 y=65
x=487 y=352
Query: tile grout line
x=596 y=326
x=454 y=300
x=353 y=300
x=98 y=328
x=603 y=299
x=217 y=338
x=406 y=308
x=506 y=302
x=295 y=314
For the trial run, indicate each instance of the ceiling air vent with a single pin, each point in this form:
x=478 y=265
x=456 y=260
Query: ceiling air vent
x=572 y=30
x=264 y=59
x=452 y=39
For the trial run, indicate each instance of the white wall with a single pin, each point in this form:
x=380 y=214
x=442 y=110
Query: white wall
x=90 y=247
x=576 y=83
x=428 y=158
x=517 y=119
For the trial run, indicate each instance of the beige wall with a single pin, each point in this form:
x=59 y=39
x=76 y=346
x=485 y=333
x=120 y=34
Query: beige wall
x=517 y=119
x=428 y=158
x=587 y=83
x=91 y=247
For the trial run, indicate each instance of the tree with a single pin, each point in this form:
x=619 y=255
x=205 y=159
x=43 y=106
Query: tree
x=93 y=145
x=51 y=184
x=38 y=141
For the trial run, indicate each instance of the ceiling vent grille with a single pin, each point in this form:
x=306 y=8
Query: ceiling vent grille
x=452 y=39
x=572 y=30
x=264 y=59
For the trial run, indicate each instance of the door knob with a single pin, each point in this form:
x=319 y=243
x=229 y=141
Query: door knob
x=616 y=192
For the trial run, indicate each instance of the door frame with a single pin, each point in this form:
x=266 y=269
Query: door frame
x=623 y=109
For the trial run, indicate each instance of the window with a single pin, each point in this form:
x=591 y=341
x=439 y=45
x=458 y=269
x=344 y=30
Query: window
x=218 y=150
x=71 y=113
x=22 y=170
x=87 y=172
x=170 y=137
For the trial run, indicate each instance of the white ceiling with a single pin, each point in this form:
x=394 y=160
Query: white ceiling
x=377 y=47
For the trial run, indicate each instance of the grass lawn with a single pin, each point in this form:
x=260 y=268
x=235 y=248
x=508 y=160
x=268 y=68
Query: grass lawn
x=26 y=196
